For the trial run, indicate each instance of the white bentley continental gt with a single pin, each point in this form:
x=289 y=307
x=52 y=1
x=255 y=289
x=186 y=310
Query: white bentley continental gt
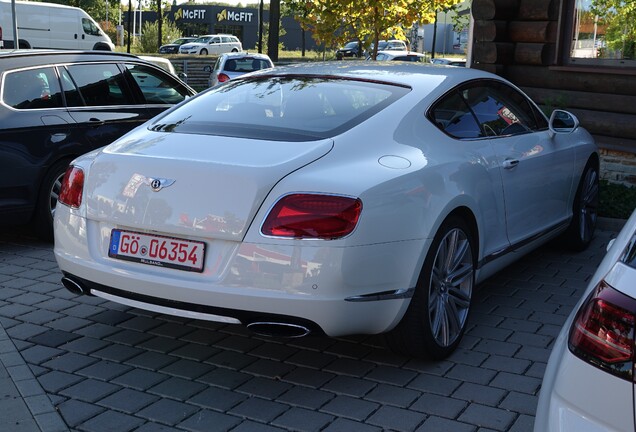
x=328 y=199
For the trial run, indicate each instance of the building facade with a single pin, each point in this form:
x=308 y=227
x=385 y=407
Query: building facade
x=571 y=54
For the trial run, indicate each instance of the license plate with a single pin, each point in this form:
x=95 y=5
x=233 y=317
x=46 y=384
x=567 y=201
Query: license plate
x=159 y=251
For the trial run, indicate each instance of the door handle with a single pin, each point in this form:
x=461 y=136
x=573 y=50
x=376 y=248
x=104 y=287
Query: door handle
x=95 y=121
x=510 y=163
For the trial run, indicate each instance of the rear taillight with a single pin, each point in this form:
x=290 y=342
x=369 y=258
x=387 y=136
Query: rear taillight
x=222 y=77
x=313 y=216
x=602 y=333
x=72 y=187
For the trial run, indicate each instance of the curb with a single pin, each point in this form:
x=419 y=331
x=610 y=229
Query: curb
x=23 y=401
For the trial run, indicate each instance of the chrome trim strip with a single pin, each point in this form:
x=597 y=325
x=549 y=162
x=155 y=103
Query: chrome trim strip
x=498 y=254
x=384 y=295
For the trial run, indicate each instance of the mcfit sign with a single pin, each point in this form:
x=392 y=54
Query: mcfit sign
x=204 y=14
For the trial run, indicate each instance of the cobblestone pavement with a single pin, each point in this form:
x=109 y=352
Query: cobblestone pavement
x=107 y=367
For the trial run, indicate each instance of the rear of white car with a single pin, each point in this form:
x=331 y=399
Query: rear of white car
x=589 y=381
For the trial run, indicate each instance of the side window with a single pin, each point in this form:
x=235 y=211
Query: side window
x=90 y=27
x=452 y=115
x=32 y=89
x=157 y=87
x=215 y=40
x=101 y=84
x=500 y=109
x=71 y=93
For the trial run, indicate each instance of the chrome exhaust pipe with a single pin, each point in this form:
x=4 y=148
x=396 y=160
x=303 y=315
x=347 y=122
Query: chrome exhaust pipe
x=73 y=286
x=276 y=329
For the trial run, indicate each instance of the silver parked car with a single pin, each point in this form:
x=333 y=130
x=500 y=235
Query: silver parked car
x=232 y=65
x=328 y=198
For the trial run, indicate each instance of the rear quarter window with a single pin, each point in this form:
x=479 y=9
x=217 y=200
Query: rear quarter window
x=32 y=89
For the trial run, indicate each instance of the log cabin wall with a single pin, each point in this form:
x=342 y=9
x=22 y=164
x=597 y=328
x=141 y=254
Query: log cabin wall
x=517 y=39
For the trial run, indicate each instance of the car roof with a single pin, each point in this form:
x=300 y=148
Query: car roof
x=245 y=54
x=30 y=57
x=408 y=74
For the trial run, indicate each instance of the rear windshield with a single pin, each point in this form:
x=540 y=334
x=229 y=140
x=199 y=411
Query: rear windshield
x=281 y=108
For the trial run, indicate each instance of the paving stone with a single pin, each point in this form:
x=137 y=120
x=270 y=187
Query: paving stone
x=494 y=347
x=397 y=419
x=201 y=421
x=306 y=397
x=203 y=336
x=438 y=424
x=24 y=331
x=128 y=337
x=111 y=317
x=259 y=409
x=75 y=412
x=68 y=324
x=217 y=399
x=349 y=386
x=161 y=344
x=524 y=423
x=139 y=323
x=177 y=388
x=299 y=419
x=347 y=366
x=528 y=339
x=488 y=417
x=97 y=331
x=250 y=426
x=520 y=402
x=471 y=374
x=348 y=349
x=308 y=377
x=268 y=368
x=157 y=427
x=29 y=299
x=171 y=330
x=198 y=353
x=117 y=353
x=85 y=345
x=484 y=395
x=439 y=406
x=507 y=364
x=273 y=351
x=15 y=310
x=187 y=369
x=434 y=384
x=151 y=360
x=140 y=379
x=469 y=357
x=167 y=411
x=53 y=338
x=39 y=354
x=392 y=395
x=232 y=360
x=90 y=390
x=103 y=370
x=264 y=387
x=83 y=310
x=128 y=400
x=349 y=407
x=111 y=421
x=345 y=425
x=69 y=362
x=225 y=378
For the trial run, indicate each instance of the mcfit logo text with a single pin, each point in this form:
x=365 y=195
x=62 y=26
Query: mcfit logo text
x=189 y=14
x=234 y=16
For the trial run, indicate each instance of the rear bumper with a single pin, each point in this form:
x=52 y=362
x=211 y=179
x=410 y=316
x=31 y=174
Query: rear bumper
x=335 y=290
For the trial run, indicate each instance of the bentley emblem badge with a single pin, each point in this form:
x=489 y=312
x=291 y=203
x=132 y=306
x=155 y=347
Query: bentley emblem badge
x=158 y=183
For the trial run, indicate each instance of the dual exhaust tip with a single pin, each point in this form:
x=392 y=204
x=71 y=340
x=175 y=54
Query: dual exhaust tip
x=262 y=328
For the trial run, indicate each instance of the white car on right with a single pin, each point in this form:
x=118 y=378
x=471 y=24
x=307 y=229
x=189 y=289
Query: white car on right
x=589 y=383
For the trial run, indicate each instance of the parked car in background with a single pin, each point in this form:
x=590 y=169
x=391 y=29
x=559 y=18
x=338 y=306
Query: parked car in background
x=173 y=47
x=449 y=62
x=400 y=56
x=240 y=205
x=57 y=105
x=51 y=26
x=232 y=65
x=388 y=45
x=212 y=44
x=589 y=381
x=351 y=49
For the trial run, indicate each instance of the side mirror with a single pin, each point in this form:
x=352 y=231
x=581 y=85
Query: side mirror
x=563 y=122
x=183 y=76
x=207 y=69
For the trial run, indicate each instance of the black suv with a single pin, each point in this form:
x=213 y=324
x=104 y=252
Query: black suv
x=56 y=105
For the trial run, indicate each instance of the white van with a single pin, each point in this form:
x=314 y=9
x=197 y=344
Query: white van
x=48 y=25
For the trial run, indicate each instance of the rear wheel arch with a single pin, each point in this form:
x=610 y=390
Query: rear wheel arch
x=43 y=217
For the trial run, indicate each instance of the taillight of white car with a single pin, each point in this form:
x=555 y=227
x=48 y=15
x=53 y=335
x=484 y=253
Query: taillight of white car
x=222 y=77
x=72 y=187
x=602 y=333
x=312 y=216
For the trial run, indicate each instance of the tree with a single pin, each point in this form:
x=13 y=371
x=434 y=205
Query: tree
x=336 y=21
x=618 y=20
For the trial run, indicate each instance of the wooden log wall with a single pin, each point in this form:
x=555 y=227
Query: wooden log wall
x=517 y=39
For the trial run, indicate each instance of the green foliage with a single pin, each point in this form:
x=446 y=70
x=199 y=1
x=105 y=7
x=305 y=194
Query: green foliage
x=147 y=43
x=616 y=200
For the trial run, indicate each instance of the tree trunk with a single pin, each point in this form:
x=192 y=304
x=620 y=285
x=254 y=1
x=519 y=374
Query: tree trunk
x=274 y=28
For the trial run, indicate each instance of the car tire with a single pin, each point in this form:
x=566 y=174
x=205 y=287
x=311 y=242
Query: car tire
x=47 y=200
x=584 y=210
x=436 y=318
x=203 y=52
x=234 y=50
